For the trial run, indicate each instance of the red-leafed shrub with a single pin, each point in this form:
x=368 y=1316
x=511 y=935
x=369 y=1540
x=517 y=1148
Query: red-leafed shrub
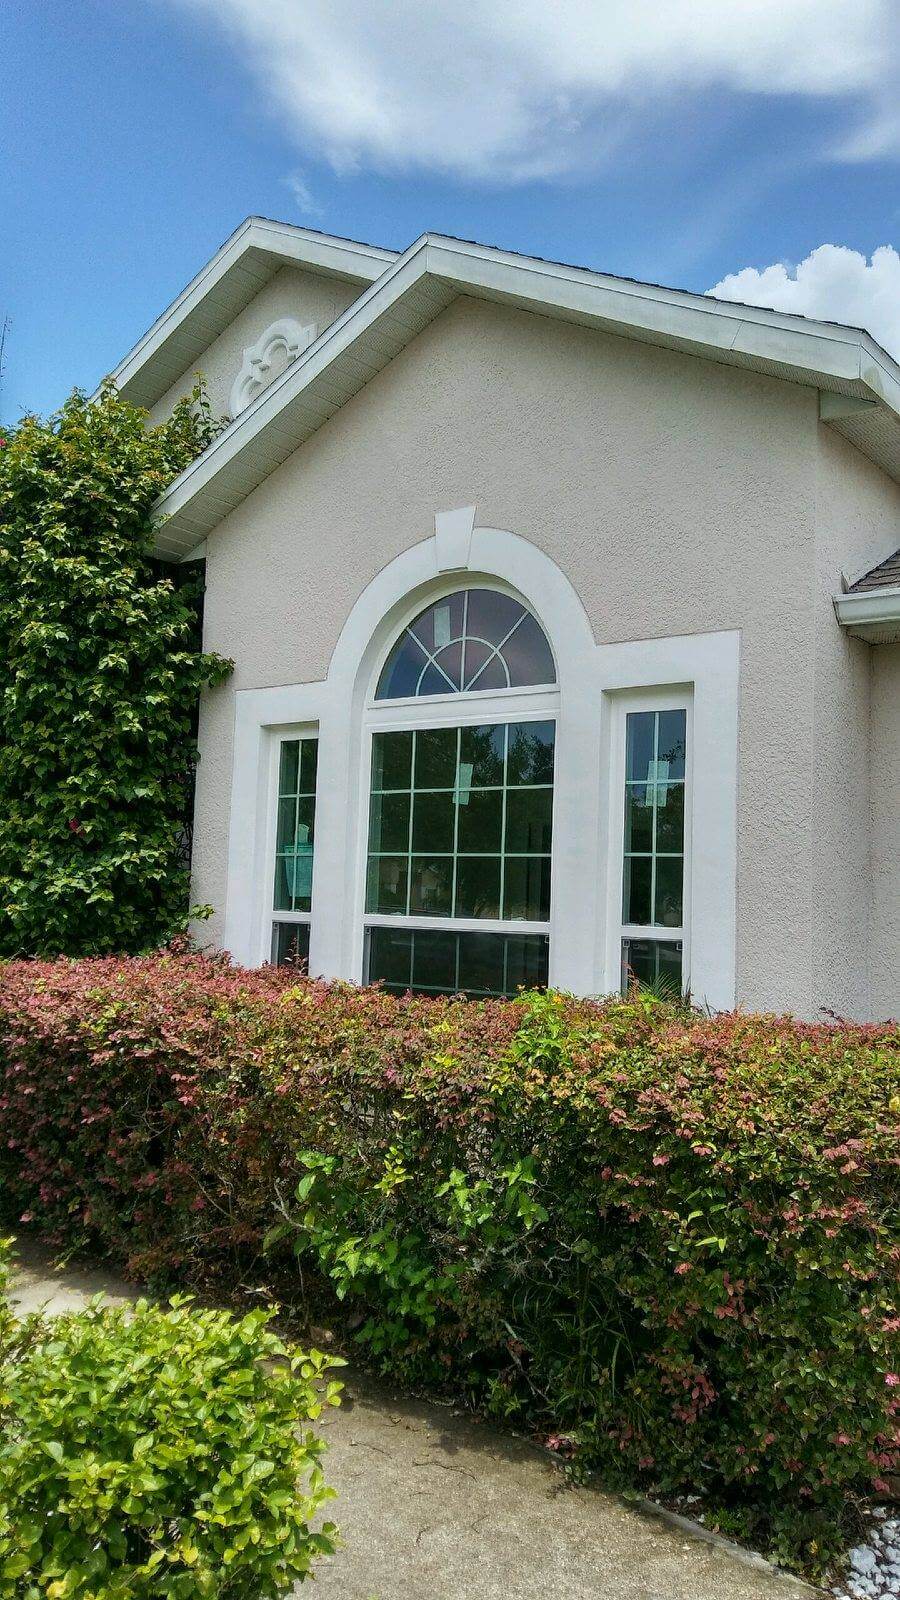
x=669 y=1241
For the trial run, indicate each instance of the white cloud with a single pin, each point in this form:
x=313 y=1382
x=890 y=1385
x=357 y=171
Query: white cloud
x=302 y=193
x=833 y=283
x=511 y=89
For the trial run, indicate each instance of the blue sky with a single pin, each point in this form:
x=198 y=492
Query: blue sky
x=680 y=145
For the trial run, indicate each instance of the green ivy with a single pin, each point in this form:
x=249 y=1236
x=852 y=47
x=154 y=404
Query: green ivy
x=100 y=673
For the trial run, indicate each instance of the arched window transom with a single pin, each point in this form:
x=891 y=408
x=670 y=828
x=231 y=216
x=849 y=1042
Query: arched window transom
x=473 y=641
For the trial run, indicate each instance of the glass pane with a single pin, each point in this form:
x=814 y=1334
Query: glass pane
x=651 y=961
x=387 y=881
x=638 y=817
x=640 y=733
x=527 y=655
x=284 y=877
x=669 y=817
x=530 y=758
x=636 y=891
x=430 y=886
x=289 y=766
x=450 y=661
x=669 y=879
x=434 y=819
x=402 y=670
x=309 y=756
x=478 y=886
x=441 y=622
x=491 y=615
x=528 y=820
x=527 y=961
x=481 y=962
x=434 y=960
x=488 y=620
x=526 y=890
x=481 y=821
x=290 y=944
x=436 y=758
x=492 y=675
x=392 y=760
x=287 y=817
x=482 y=751
x=390 y=957
x=672 y=741
x=389 y=822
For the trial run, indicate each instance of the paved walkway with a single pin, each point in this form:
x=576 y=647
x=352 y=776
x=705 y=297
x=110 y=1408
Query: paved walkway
x=433 y=1507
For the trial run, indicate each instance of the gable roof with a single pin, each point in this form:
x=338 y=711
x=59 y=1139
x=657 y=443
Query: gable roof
x=247 y=260
x=859 y=383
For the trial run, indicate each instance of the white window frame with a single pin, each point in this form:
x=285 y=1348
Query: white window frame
x=271 y=916
x=464 y=709
x=622 y=705
x=585 y=922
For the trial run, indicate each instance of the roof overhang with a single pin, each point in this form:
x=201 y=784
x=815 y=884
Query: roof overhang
x=871 y=614
x=417 y=285
x=246 y=262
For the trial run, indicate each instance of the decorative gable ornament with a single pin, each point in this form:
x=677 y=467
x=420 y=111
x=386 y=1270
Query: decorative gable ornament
x=277 y=346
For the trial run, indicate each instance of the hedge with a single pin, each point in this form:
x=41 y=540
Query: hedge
x=156 y=1452
x=664 y=1242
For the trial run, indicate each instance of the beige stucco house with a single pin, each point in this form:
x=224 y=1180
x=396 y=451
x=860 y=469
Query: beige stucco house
x=565 y=614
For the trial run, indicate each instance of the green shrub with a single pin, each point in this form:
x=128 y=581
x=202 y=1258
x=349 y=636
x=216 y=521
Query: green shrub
x=667 y=1242
x=100 y=674
x=157 y=1453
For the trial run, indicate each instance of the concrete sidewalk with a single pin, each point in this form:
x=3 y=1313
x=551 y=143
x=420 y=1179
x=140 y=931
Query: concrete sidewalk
x=434 y=1507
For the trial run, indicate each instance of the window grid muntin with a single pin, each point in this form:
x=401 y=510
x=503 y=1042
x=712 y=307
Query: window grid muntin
x=653 y=855
x=659 y=934
x=495 y=648
x=289 y=917
x=501 y=855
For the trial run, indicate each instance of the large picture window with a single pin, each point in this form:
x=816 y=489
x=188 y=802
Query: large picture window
x=653 y=875
x=294 y=840
x=461 y=817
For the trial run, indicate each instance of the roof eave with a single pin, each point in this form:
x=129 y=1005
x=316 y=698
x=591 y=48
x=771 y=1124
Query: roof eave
x=819 y=355
x=872 y=614
x=142 y=374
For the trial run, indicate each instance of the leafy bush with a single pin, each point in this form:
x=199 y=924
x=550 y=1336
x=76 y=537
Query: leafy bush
x=100 y=673
x=667 y=1241
x=157 y=1453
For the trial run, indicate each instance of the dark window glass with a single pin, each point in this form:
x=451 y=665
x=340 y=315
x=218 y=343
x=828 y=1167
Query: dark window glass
x=652 y=961
x=526 y=888
x=653 y=878
x=441 y=961
x=436 y=750
x=295 y=825
x=290 y=944
x=478 y=886
x=430 y=886
x=529 y=814
x=476 y=639
x=480 y=821
x=388 y=883
x=530 y=752
x=392 y=761
x=434 y=820
x=389 y=822
x=482 y=753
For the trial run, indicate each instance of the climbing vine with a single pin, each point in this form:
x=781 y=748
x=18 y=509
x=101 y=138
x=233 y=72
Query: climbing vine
x=100 y=673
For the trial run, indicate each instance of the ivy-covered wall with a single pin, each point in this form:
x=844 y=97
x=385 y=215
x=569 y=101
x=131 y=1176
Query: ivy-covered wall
x=100 y=672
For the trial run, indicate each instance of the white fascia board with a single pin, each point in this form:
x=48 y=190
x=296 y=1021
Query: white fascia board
x=265 y=409
x=875 y=610
x=343 y=258
x=823 y=349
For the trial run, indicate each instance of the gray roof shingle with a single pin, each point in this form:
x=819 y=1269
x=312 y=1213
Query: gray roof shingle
x=885 y=576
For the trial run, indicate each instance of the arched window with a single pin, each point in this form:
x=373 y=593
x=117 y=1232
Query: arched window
x=460 y=827
x=470 y=642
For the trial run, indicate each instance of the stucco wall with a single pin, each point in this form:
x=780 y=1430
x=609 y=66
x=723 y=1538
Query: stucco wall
x=676 y=495
x=308 y=296
x=885 y=939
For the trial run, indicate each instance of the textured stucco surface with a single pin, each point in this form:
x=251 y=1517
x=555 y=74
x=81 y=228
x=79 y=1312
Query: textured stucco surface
x=308 y=296
x=676 y=495
x=885 y=940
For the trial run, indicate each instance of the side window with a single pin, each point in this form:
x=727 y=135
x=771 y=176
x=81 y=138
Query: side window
x=653 y=866
x=294 y=841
